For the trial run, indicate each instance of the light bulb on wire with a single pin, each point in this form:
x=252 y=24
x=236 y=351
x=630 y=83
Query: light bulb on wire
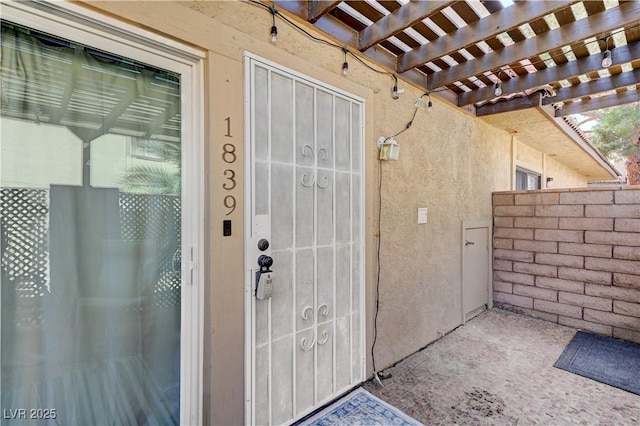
x=606 y=59
x=345 y=64
x=274 y=29
x=498 y=89
x=606 y=56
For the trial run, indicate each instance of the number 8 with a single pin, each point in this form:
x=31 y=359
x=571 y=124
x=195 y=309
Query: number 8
x=229 y=153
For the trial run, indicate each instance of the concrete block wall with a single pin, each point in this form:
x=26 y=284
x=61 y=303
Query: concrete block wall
x=571 y=257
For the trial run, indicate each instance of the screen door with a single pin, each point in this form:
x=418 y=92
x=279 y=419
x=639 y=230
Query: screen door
x=305 y=200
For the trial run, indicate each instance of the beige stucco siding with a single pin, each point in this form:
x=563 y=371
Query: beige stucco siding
x=563 y=176
x=450 y=163
x=546 y=166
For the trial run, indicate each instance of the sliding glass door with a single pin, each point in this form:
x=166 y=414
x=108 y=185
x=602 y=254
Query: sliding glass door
x=91 y=234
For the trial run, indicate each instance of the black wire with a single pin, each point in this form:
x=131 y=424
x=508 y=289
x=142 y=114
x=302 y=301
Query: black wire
x=274 y=12
x=375 y=317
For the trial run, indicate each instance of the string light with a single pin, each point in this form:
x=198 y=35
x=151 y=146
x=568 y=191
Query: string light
x=394 y=90
x=274 y=34
x=606 y=59
x=274 y=29
x=606 y=56
x=498 y=89
x=419 y=102
x=345 y=64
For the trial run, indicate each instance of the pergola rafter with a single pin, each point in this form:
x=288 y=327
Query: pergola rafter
x=457 y=48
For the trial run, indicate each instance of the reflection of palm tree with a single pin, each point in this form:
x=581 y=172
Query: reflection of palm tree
x=150 y=192
x=159 y=178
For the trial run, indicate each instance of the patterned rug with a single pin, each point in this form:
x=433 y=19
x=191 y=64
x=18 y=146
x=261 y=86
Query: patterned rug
x=359 y=408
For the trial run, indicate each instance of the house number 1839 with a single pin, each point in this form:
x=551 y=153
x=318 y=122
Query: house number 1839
x=229 y=157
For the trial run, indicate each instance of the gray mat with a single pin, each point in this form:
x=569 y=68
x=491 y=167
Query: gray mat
x=607 y=360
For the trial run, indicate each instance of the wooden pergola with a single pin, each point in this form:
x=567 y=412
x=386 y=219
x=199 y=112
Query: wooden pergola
x=537 y=52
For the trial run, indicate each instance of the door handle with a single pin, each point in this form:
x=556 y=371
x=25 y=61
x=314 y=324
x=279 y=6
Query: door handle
x=468 y=243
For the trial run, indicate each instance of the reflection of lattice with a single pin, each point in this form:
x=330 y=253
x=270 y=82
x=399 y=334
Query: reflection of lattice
x=167 y=290
x=145 y=217
x=167 y=296
x=156 y=217
x=24 y=220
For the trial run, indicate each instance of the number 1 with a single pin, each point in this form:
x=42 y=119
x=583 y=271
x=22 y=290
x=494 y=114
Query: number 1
x=228 y=120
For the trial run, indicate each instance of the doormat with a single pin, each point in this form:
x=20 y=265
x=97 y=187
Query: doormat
x=359 y=408
x=604 y=359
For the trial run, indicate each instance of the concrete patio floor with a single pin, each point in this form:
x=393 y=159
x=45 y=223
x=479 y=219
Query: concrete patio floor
x=497 y=369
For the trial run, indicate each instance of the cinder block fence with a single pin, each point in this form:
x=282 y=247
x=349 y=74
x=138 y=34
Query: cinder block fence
x=571 y=257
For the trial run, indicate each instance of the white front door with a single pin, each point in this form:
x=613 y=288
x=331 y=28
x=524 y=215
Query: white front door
x=305 y=343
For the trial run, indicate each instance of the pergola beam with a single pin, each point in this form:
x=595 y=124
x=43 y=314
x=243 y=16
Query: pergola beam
x=601 y=102
x=108 y=122
x=599 y=85
x=514 y=104
x=404 y=17
x=501 y=21
x=560 y=72
x=160 y=119
x=593 y=26
x=344 y=35
x=319 y=8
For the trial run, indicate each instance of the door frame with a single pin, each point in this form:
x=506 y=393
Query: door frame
x=74 y=22
x=250 y=249
x=474 y=224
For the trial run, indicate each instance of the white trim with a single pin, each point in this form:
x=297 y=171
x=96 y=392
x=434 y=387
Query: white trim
x=73 y=22
x=249 y=335
x=193 y=196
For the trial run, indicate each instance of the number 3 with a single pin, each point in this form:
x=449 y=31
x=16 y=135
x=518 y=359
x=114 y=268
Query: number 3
x=229 y=186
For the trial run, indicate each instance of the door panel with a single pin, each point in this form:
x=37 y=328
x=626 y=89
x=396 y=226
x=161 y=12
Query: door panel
x=476 y=270
x=305 y=208
x=306 y=343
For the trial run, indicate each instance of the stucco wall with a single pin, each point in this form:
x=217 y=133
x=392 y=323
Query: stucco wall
x=528 y=158
x=571 y=257
x=563 y=176
x=450 y=163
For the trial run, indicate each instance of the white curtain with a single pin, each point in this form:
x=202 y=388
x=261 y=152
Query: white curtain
x=90 y=302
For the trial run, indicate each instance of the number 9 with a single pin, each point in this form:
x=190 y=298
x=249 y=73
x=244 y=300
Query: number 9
x=230 y=203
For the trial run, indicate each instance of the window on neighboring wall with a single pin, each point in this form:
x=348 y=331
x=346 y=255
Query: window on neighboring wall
x=527 y=180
